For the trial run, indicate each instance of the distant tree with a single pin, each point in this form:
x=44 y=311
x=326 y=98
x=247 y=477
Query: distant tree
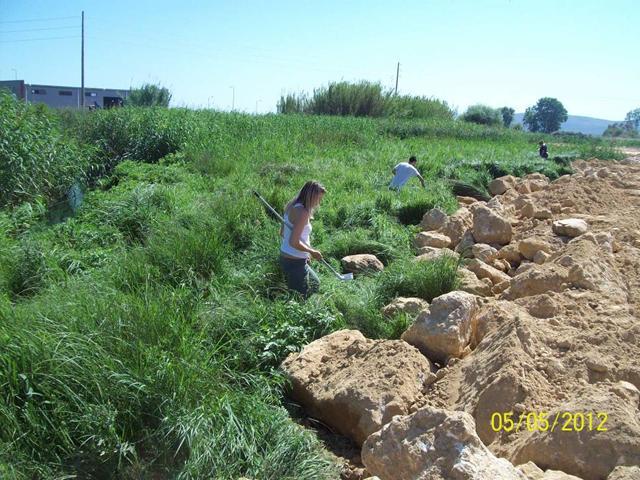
x=483 y=115
x=545 y=116
x=292 y=103
x=149 y=95
x=633 y=117
x=621 y=129
x=507 y=116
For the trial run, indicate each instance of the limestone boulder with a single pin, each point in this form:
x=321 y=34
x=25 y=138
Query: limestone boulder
x=433 y=444
x=589 y=453
x=536 y=280
x=470 y=283
x=465 y=200
x=457 y=224
x=434 y=219
x=570 y=227
x=464 y=247
x=354 y=384
x=540 y=257
x=483 y=252
x=482 y=270
x=490 y=227
x=432 y=239
x=532 y=245
x=500 y=185
x=533 y=472
x=510 y=253
x=446 y=328
x=362 y=263
x=409 y=305
x=428 y=254
x=625 y=473
x=543 y=214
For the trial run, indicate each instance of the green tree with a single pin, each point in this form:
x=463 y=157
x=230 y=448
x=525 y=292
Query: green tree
x=483 y=115
x=507 y=116
x=633 y=117
x=621 y=129
x=149 y=95
x=545 y=116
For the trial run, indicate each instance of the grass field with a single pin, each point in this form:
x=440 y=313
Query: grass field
x=140 y=337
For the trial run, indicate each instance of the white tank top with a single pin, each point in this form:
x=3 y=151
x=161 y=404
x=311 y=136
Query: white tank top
x=304 y=237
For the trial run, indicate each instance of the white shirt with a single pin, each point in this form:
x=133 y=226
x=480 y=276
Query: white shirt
x=285 y=247
x=404 y=171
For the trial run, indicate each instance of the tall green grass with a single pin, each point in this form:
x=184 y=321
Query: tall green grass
x=363 y=99
x=36 y=159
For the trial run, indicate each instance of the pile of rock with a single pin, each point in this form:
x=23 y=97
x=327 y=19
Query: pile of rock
x=506 y=342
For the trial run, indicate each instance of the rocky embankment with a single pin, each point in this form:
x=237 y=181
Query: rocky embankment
x=531 y=370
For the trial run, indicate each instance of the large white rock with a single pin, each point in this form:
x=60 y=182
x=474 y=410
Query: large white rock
x=501 y=184
x=483 y=252
x=457 y=224
x=587 y=452
x=433 y=444
x=432 y=239
x=433 y=219
x=533 y=472
x=570 y=227
x=482 y=270
x=490 y=227
x=361 y=263
x=354 y=384
x=470 y=283
x=532 y=245
x=446 y=328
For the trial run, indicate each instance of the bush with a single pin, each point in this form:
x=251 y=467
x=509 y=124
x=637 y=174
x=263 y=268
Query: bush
x=363 y=99
x=149 y=95
x=483 y=115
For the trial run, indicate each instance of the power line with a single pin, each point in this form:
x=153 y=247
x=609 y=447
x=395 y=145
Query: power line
x=37 y=29
x=37 y=39
x=39 y=19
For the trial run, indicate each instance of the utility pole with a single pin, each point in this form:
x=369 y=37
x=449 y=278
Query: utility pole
x=82 y=66
x=397 y=75
x=233 y=98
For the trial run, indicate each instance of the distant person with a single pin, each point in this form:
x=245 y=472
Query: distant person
x=295 y=249
x=543 y=150
x=403 y=172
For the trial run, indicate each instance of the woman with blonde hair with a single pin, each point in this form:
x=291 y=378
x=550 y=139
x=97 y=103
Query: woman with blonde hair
x=295 y=249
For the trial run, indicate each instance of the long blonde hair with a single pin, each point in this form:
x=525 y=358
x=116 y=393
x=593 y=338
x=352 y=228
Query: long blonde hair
x=308 y=196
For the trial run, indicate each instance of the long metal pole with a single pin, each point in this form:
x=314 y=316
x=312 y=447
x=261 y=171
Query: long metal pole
x=82 y=66
x=397 y=75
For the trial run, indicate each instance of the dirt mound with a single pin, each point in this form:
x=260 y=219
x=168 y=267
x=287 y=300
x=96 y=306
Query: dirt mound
x=562 y=337
x=551 y=373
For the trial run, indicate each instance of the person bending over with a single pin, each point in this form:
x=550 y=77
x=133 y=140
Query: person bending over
x=543 y=150
x=403 y=172
x=295 y=249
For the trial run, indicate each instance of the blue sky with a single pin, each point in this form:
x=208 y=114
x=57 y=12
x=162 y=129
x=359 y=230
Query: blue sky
x=496 y=52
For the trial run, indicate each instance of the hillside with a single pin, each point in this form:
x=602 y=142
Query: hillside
x=142 y=332
x=576 y=123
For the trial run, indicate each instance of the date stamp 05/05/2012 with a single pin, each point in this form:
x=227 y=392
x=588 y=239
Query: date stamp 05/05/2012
x=546 y=421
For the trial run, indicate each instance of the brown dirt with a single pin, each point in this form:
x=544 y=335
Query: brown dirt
x=566 y=337
x=562 y=337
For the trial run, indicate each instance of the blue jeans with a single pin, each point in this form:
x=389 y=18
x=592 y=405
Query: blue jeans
x=299 y=276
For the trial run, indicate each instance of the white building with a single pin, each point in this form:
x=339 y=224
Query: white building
x=65 y=97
